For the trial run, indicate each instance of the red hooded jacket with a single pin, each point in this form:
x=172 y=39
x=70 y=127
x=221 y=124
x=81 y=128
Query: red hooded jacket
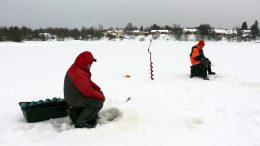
x=79 y=76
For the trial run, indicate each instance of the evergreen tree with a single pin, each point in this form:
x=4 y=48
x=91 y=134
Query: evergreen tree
x=141 y=28
x=84 y=33
x=98 y=34
x=62 y=33
x=3 y=33
x=26 y=33
x=244 y=26
x=255 y=29
x=129 y=28
x=177 y=31
x=91 y=32
x=155 y=27
x=167 y=27
x=204 y=30
x=75 y=34
x=14 y=34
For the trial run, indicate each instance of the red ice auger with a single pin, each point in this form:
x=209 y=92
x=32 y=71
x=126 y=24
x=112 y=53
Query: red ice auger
x=151 y=63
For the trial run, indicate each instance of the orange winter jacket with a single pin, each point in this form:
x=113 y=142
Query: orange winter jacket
x=196 y=55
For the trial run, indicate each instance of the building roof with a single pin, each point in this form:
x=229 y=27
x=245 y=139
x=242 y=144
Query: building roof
x=136 y=31
x=223 y=31
x=231 y=31
x=160 y=31
x=246 y=31
x=115 y=31
x=190 y=30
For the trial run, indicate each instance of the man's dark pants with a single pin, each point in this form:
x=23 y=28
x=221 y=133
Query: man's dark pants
x=202 y=69
x=82 y=109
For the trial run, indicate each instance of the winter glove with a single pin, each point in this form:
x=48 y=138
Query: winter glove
x=205 y=62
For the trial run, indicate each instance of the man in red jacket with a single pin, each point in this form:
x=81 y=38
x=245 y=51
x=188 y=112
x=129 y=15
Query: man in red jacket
x=84 y=97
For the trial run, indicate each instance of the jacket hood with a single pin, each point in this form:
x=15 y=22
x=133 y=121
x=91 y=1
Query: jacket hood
x=84 y=58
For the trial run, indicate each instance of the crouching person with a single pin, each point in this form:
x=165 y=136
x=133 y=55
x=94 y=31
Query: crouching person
x=84 y=97
x=201 y=66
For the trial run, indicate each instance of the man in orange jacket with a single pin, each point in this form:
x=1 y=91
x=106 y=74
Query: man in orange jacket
x=200 y=64
x=84 y=97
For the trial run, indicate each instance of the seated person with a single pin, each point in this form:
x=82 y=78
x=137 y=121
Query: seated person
x=84 y=97
x=201 y=66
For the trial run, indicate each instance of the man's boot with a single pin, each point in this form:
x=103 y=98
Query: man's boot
x=205 y=78
x=210 y=72
x=74 y=113
x=87 y=124
x=88 y=118
x=203 y=73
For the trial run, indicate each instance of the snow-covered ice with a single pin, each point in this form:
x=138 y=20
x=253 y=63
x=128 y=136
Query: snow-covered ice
x=170 y=110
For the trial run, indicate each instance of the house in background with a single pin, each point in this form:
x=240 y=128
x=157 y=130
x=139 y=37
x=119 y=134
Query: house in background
x=112 y=34
x=190 y=30
x=246 y=35
x=158 y=32
x=219 y=34
x=190 y=34
x=231 y=34
x=137 y=32
x=47 y=36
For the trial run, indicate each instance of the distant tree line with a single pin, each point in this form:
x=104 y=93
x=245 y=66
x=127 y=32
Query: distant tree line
x=204 y=31
x=18 y=34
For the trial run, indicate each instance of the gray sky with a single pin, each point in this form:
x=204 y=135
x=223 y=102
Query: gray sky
x=112 y=13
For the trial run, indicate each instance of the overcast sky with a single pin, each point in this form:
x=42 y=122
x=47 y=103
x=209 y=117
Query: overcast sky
x=112 y=13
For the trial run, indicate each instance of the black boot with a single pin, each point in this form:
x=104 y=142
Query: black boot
x=74 y=113
x=203 y=73
x=87 y=124
x=205 y=78
x=92 y=123
x=210 y=72
x=88 y=118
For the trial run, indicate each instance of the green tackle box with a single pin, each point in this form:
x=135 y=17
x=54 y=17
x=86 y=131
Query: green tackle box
x=44 y=110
